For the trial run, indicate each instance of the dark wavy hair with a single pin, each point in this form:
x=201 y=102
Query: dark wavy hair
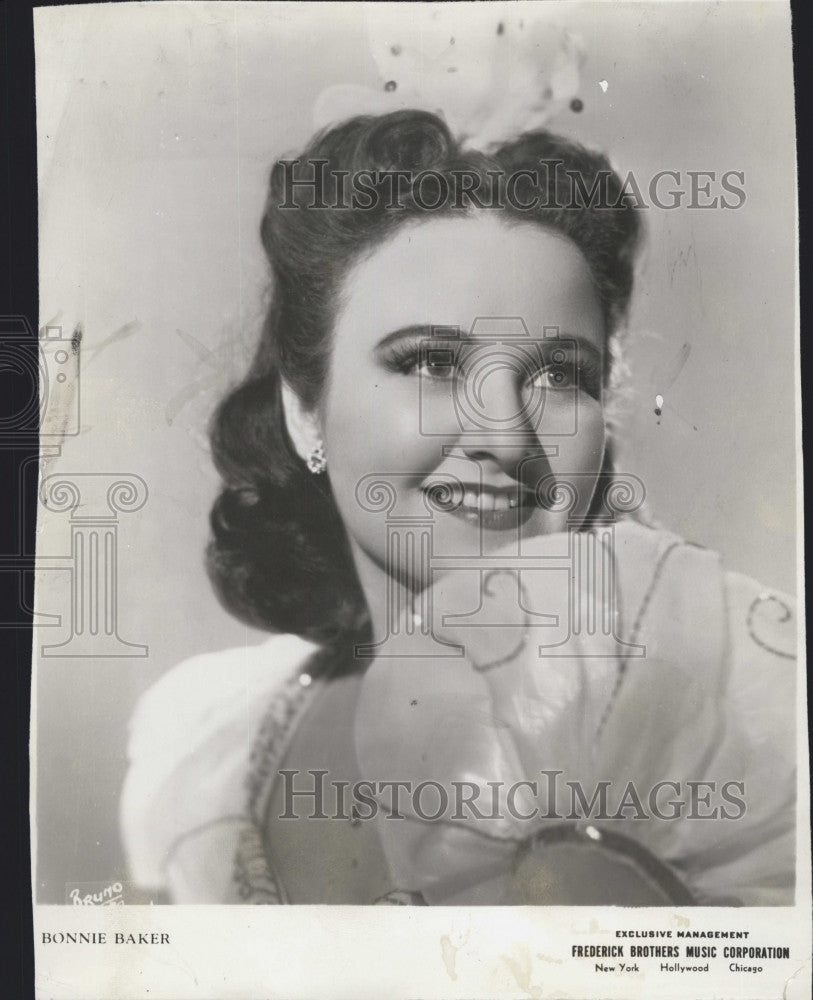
x=279 y=557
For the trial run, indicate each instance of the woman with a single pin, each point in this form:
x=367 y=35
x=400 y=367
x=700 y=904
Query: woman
x=419 y=503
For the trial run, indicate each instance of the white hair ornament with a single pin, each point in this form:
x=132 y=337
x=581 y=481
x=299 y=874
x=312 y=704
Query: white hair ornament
x=491 y=77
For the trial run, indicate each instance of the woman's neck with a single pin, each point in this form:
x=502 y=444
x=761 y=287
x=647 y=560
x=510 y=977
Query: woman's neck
x=389 y=599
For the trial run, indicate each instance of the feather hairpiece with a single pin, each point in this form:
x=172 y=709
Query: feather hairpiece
x=491 y=77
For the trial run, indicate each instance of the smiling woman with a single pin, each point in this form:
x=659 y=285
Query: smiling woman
x=419 y=500
x=345 y=283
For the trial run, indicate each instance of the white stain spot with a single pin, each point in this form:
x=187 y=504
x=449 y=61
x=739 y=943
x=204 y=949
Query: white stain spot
x=449 y=953
x=604 y=85
x=305 y=680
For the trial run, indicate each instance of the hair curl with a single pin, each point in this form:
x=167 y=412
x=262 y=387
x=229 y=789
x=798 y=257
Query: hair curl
x=279 y=557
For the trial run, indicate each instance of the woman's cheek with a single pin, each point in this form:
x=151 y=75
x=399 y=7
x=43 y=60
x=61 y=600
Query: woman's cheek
x=378 y=431
x=581 y=455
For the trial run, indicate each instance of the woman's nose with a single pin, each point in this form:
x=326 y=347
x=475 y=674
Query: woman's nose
x=496 y=413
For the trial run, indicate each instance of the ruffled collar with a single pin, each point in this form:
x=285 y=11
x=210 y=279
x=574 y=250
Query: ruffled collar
x=610 y=674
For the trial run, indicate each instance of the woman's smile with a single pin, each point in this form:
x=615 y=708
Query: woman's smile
x=489 y=506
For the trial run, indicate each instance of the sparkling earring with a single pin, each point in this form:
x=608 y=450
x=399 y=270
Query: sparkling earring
x=317 y=463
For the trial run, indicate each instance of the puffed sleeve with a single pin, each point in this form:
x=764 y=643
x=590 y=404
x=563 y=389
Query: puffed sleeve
x=755 y=852
x=712 y=707
x=183 y=802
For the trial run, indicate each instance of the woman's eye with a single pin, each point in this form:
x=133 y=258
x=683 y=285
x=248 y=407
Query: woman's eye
x=438 y=364
x=561 y=376
x=436 y=370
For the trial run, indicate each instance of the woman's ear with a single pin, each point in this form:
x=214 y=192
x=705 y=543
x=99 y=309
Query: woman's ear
x=302 y=424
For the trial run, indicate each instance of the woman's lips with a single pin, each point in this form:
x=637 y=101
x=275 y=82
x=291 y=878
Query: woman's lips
x=493 y=508
x=496 y=520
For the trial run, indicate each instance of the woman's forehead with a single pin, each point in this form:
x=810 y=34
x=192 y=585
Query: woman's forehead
x=457 y=270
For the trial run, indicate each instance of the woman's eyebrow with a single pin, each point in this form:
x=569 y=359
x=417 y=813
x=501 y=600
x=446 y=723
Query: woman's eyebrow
x=429 y=333
x=582 y=344
x=419 y=331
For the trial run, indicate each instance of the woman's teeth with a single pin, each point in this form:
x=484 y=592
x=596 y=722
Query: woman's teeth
x=489 y=501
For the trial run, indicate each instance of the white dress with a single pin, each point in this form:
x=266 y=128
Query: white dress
x=710 y=699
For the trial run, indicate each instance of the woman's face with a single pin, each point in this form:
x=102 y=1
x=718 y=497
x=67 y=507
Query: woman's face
x=467 y=353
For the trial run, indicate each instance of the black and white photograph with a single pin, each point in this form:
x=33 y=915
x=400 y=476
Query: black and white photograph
x=419 y=575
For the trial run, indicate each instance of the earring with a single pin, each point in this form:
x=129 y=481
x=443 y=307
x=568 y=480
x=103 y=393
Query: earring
x=317 y=463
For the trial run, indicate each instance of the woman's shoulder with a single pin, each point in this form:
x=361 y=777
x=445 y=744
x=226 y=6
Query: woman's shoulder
x=762 y=613
x=763 y=637
x=205 y=690
x=761 y=608
x=742 y=591
x=189 y=742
